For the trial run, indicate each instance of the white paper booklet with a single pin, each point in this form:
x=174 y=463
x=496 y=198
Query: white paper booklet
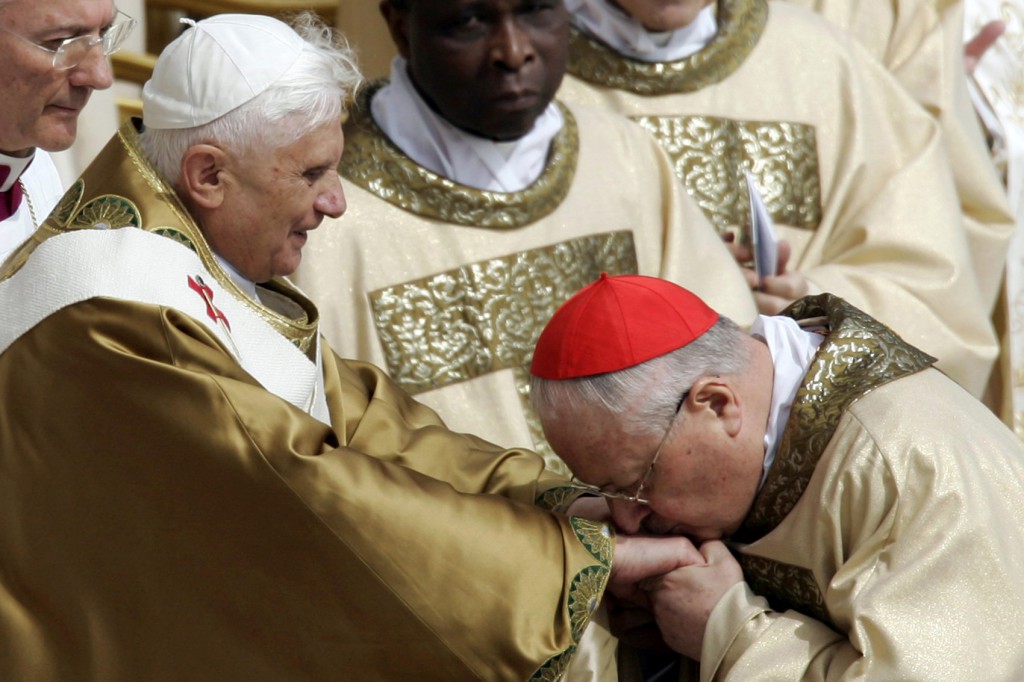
x=762 y=234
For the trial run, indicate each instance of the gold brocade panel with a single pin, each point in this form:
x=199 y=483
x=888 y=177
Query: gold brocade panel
x=710 y=155
x=486 y=316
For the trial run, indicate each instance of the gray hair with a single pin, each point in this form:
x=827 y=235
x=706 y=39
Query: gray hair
x=644 y=397
x=313 y=92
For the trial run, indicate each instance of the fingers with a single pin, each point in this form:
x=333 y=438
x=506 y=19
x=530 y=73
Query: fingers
x=785 y=251
x=977 y=46
x=715 y=552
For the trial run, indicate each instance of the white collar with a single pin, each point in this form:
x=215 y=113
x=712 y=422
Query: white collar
x=792 y=349
x=434 y=143
x=17 y=165
x=247 y=286
x=628 y=37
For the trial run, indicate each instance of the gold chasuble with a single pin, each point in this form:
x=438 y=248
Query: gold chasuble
x=853 y=172
x=884 y=542
x=447 y=287
x=193 y=486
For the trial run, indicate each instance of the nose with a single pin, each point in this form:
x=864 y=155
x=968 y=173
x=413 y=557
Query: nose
x=93 y=71
x=331 y=201
x=512 y=47
x=628 y=516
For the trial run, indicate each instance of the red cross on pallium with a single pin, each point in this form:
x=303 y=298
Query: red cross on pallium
x=199 y=286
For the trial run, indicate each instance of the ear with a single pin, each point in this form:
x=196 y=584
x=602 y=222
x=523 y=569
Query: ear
x=202 y=179
x=715 y=398
x=397 y=26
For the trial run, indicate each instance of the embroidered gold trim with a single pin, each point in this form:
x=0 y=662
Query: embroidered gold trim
x=596 y=537
x=553 y=669
x=373 y=162
x=785 y=586
x=558 y=498
x=710 y=155
x=584 y=597
x=859 y=355
x=486 y=316
x=740 y=25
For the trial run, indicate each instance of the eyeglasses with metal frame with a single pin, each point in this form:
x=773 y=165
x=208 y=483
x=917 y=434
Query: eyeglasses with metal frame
x=638 y=496
x=72 y=51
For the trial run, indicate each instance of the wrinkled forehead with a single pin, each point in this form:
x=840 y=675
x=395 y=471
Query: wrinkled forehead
x=67 y=16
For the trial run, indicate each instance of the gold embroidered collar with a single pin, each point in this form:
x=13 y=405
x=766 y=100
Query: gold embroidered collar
x=859 y=354
x=373 y=162
x=740 y=25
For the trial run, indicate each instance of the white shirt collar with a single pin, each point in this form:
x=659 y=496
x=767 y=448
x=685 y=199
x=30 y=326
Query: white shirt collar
x=792 y=350
x=247 y=286
x=434 y=143
x=628 y=37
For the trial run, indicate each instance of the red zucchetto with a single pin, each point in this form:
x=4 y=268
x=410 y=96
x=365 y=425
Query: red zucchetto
x=618 y=322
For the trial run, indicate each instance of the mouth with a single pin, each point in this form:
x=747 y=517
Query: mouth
x=66 y=109
x=515 y=100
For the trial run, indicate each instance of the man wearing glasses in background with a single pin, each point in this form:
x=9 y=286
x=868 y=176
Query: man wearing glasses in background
x=53 y=54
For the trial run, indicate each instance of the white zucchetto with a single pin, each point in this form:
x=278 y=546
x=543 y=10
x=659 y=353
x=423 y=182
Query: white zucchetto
x=216 y=66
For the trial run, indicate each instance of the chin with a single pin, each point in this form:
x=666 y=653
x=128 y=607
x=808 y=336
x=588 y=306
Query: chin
x=58 y=139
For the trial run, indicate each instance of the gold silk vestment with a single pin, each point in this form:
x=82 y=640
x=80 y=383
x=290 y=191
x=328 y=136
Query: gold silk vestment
x=166 y=516
x=448 y=287
x=887 y=540
x=852 y=171
x=921 y=44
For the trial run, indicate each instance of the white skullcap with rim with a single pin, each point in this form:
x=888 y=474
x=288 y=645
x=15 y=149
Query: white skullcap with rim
x=216 y=66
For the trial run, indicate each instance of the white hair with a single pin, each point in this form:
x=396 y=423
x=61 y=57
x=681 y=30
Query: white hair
x=644 y=397
x=311 y=93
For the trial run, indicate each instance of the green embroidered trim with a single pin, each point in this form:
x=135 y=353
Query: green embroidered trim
x=585 y=596
x=710 y=154
x=68 y=204
x=374 y=163
x=558 y=498
x=554 y=668
x=596 y=537
x=740 y=25
x=108 y=210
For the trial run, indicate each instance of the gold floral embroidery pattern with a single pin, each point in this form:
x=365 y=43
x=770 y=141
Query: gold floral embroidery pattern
x=710 y=155
x=68 y=204
x=176 y=235
x=859 y=354
x=785 y=586
x=486 y=316
x=558 y=498
x=107 y=211
x=584 y=597
x=554 y=668
x=374 y=163
x=740 y=25
x=596 y=537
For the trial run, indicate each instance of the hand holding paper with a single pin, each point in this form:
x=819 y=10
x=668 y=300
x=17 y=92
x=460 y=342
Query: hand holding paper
x=762 y=233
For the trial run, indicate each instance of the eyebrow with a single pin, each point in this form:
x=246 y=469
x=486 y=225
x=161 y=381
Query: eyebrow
x=80 y=29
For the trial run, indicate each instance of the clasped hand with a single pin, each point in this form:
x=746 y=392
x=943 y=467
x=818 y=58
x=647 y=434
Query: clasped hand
x=671 y=580
x=776 y=292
